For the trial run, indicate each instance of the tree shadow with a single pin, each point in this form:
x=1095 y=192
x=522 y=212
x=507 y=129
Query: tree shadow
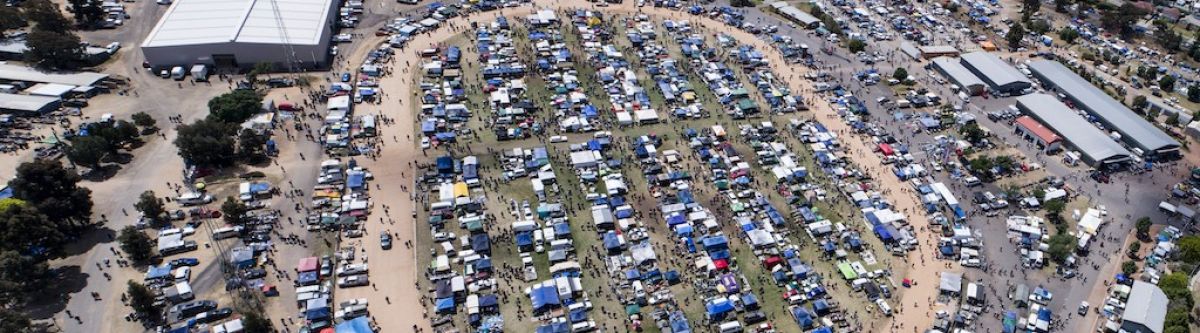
x=89 y=238
x=102 y=173
x=120 y=158
x=52 y=299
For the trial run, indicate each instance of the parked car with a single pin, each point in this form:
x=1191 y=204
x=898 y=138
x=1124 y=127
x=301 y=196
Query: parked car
x=352 y=281
x=385 y=241
x=352 y=269
x=185 y=262
x=193 y=307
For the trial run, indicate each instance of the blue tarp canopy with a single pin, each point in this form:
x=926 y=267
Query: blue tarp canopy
x=633 y=274
x=356 y=180
x=524 y=239
x=484 y=264
x=356 y=325
x=883 y=232
x=683 y=230
x=317 y=313
x=716 y=243
x=802 y=317
x=307 y=278
x=679 y=323
x=611 y=242
x=544 y=298
x=480 y=243
x=488 y=301
x=718 y=307
x=821 y=307
x=555 y=328
x=158 y=272
x=445 y=305
x=578 y=315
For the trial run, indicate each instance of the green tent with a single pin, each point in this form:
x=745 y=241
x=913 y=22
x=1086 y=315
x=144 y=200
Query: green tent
x=847 y=271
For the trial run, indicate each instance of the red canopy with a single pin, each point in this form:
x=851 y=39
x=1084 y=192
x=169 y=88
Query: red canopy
x=307 y=265
x=721 y=264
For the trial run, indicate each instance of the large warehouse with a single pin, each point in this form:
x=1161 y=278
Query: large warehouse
x=999 y=75
x=1137 y=132
x=960 y=75
x=1098 y=150
x=1146 y=311
x=242 y=33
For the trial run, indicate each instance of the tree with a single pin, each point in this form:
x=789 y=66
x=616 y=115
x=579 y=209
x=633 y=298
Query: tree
x=1175 y=285
x=233 y=211
x=1061 y=5
x=118 y=133
x=1068 y=35
x=255 y=322
x=1121 y=20
x=135 y=244
x=1143 y=227
x=252 y=146
x=14 y=321
x=1168 y=39
x=1054 y=209
x=1140 y=102
x=856 y=45
x=88 y=151
x=900 y=74
x=981 y=164
x=972 y=133
x=46 y=15
x=234 y=107
x=1189 y=249
x=144 y=120
x=1030 y=7
x=11 y=18
x=53 y=49
x=1061 y=246
x=1004 y=162
x=1134 y=249
x=1014 y=36
x=1167 y=83
x=1173 y=119
x=141 y=299
x=259 y=69
x=1039 y=26
x=152 y=208
x=206 y=142
x=1129 y=267
x=87 y=12
x=26 y=230
x=53 y=190
x=20 y=274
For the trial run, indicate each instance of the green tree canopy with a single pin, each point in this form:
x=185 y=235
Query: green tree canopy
x=54 y=190
x=136 y=244
x=46 y=15
x=233 y=211
x=11 y=18
x=20 y=274
x=141 y=299
x=88 y=151
x=87 y=12
x=53 y=49
x=152 y=208
x=144 y=120
x=856 y=45
x=900 y=74
x=1061 y=246
x=1189 y=249
x=23 y=228
x=1014 y=36
x=206 y=142
x=1068 y=35
x=234 y=107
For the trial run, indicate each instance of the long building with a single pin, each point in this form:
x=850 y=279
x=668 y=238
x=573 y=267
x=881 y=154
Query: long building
x=960 y=75
x=27 y=105
x=1146 y=310
x=242 y=33
x=796 y=15
x=999 y=75
x=25 y=74
x=1134 y=130
x=1098 y=149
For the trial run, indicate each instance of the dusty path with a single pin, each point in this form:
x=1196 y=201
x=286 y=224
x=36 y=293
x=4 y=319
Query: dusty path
x=397 y=270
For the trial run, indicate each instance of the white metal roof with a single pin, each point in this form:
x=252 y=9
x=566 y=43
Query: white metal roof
x=189 y=22
x=22 y=73
x=50 y=89
x=1147 y=306
x=1087 y=138
x=25 y=102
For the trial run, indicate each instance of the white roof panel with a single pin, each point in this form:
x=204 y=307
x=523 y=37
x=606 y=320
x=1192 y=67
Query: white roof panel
x=189 y=22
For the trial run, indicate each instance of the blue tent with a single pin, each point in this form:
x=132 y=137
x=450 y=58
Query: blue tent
x=445 y=305
x=750 y=301
x=307 y=278
x=823 y=329
x=578 y=315
x=717 y=308
x=821 y=307
x=716 y=243
x=480 y=243
x=544 y=298
x=562 y=229
x=679 y=323
x=560 y=327
x=524 y=239
x=356 y=325
x=355 y=180
x=484 y=264
x=683 y=230
x=633 y=274
x=158 y=272
x=317 y=313
x=611 y=242
x=802 y=317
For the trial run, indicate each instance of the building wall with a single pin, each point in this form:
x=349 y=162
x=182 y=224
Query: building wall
x=247 y=55
x=1025 y=132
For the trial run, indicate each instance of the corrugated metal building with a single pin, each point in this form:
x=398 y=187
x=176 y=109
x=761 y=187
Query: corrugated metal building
x=28 y=105
x=1134 y=130
x=999 y=75
x=960 y=75
x=1146 y=310
x=242 y=33
x=1097 y=148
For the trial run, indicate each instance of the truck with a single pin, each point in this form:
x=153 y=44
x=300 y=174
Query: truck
x=200 y=72
x=177 y=73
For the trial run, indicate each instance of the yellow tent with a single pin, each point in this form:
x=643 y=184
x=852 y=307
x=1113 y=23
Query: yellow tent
x=460 y=190
x=593 y=21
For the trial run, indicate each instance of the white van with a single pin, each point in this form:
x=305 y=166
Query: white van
x=730 y=327
x=177 y=73
x=884 y=307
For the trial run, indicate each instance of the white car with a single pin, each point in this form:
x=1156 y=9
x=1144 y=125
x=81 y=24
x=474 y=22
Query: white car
x=352 y=269
x=352 y=281
x=182 y=274
x=443 y=236
x=424 y=142
x=558 y=138
x=343 y=38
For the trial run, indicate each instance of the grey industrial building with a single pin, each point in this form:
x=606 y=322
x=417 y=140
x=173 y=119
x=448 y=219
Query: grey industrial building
x=12 y=73
x=1134 y=130
x=1146 y=310
x=796 y=15
x=242 y=33
x=1098 y=149
x=27 y=104
x=999 y=75
x=960 y=75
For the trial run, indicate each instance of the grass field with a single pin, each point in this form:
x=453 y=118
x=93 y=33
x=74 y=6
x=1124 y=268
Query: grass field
x=515 y=308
